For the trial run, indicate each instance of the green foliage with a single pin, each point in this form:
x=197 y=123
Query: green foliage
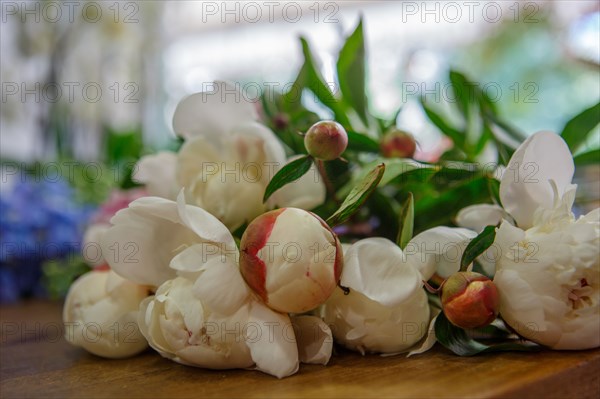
x=481 y=123
x=123 y=150
x=289 y=173
x=361 y=143
x=407 y=222
x=59 y=274
x=577 y=130
x=351 y=73
x=463 y=343
x=358 y=195
x=477 y=246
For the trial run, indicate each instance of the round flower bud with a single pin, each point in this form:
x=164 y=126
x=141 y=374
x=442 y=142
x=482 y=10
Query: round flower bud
x=470 y=300
x=326 y=140
x=291 y=259
x=100 y=315
x=398 y=144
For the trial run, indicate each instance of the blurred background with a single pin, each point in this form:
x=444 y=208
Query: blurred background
x=87 y=87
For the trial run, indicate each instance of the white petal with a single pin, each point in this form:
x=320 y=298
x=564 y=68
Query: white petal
x=205 y=225
x=143 y=240
x=199 y=158
x=91 y=244
x=525 y=184
x=270 y=337
x=212 y=113
x=220 y=285
x=314 y=339
x=157 y=172
x=430 y=339
x=438 y=250
x=377 y=268
x=233 y=200
x=256 y=143
x=477 y=217
x=520 y=307
x=308 y=192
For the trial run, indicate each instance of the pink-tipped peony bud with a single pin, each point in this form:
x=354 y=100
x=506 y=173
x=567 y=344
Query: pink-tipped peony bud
x=291 y=259
x=398 y=144
x=470 y=300
x=326 y=140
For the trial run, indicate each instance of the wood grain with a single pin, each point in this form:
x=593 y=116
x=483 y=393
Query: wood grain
x=37 y=362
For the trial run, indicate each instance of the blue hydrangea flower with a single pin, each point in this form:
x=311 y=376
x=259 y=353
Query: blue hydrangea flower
x=39 y=220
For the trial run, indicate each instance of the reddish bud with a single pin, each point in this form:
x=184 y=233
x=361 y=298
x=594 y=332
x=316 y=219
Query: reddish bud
x=326 y=140
x=291 y=259
x=470 y=300
x=398 y=144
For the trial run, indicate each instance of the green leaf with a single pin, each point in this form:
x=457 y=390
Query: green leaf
x=464 y=91
x=440 y=208
x=510 y=130
x=458 y=340
x=588 y=158
x=351 y=72
x=407 y=221
x=455 y=135
x=123 y=146
x=357 y=196
x=477 y=246
x=385 y=125
x=289 y=173
x=311 y=78
x=580 y=126
x=494 y=189
x=394 y=169
x=361 y=142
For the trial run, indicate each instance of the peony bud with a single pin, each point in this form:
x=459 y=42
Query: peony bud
x=470 y=300
x=326 y=140
x=291 y=259
x=398 y=144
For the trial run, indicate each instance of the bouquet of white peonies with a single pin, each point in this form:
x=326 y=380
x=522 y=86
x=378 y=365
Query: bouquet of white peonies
x=270 y=235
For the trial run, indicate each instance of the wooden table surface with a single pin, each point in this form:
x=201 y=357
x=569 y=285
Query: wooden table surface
x=37 y=362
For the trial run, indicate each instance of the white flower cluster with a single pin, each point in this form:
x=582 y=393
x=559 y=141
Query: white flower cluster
x=220 y=306
x=547 y=262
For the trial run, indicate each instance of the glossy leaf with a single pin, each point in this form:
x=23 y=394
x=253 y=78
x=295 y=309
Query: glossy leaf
x=464 y=91
x=357 y=196
x=477 y=246
x=361 y=142
x=289 y=173
x=407 y=221
x=351 y=72
x=579 y=127
x=588 y=158
x=458 y=340
x=311 y=78
x=440 y=207
x=455 y=135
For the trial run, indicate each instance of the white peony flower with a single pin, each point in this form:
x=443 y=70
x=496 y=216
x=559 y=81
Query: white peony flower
x=387 y=309
x=203 y=314
x=548 y=277
x=228 y=159
x=100 y=315
x=291 y=259
x=547 y=268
